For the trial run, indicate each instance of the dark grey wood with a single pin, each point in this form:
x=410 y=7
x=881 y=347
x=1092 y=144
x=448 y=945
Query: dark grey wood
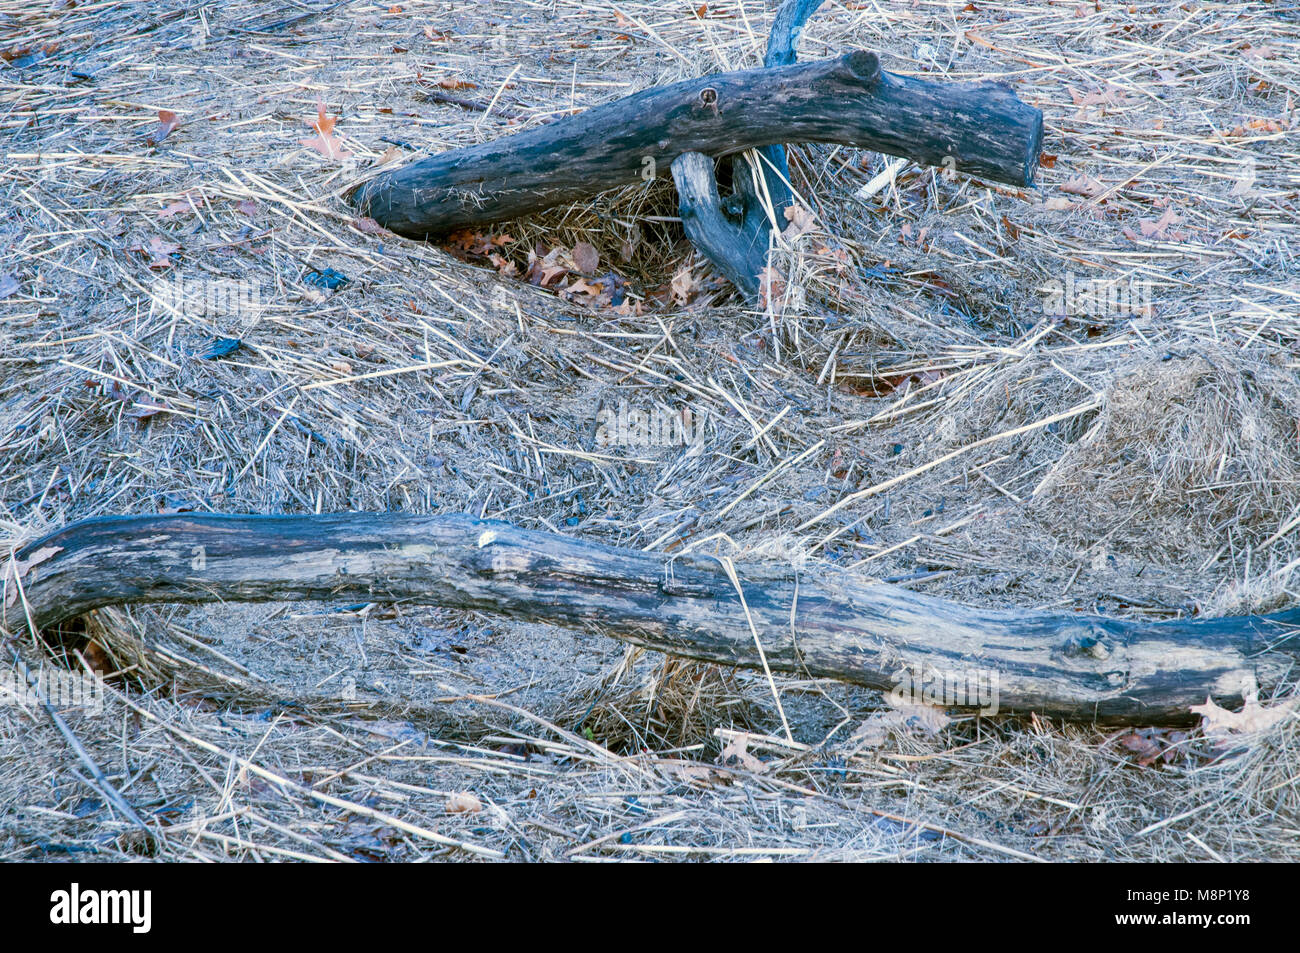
x=827 y=623
x=738 y=253
x=782 y=43
x=982 y=127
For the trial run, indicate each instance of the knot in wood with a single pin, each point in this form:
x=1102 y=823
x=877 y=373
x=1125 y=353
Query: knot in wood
x=709 y=99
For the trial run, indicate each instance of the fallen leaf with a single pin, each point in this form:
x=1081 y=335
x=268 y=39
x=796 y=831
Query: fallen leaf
x=160 y=251
x=504 y=267
x=16 y=569
x=179 y=207
x=586 y=258
x=8 y=285
x=736 y=755
x=1084 y=185
x=325 y=142
x=1265 y=51
x=144 y=409
x=1110 y=96
x=684 y=285
x=167 y=124
x=545 y=269
x=902 y=717
x=1158 y=229
x=771 y=286
x=801 y=220
x=692 y=772
x=463 y=803
x=1222 y=725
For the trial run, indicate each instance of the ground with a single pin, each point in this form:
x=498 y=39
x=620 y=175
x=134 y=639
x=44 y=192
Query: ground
x=951 y=353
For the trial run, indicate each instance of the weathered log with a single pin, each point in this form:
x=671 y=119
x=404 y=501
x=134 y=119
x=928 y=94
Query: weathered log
x=825 y=622
x=982 y=129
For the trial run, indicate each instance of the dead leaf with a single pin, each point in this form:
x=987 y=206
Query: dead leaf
x=1110 y=96
x=684 y=285
x=504 y=266
x=1161 y=229
x=545 y=270
x=736 y=755
x=801 y=220
x=902 y=717
x=586 y=258
x=692 y=772
x=463 y=803
x=1222 y=725
x=144 y=409
x=1084 y=185
x=771 y=286
x=160 y=251
x=179 y=207
x=325 y=142
x=16 y=569
x=167 y=124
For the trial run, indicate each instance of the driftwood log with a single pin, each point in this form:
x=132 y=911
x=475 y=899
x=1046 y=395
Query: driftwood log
x=824 y=623
x=981 y=128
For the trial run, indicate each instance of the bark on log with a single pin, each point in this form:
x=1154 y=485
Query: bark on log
x=1080 y=667
x=982 y=127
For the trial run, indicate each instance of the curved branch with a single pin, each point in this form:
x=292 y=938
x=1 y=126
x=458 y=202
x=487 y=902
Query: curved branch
x=735 y=252
x=983 y=127
x=827 y=623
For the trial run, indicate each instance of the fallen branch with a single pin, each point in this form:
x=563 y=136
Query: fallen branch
x=981 y=129
x=825 y=623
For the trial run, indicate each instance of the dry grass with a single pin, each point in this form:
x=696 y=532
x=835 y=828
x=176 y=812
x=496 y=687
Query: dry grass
x=909 y=407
